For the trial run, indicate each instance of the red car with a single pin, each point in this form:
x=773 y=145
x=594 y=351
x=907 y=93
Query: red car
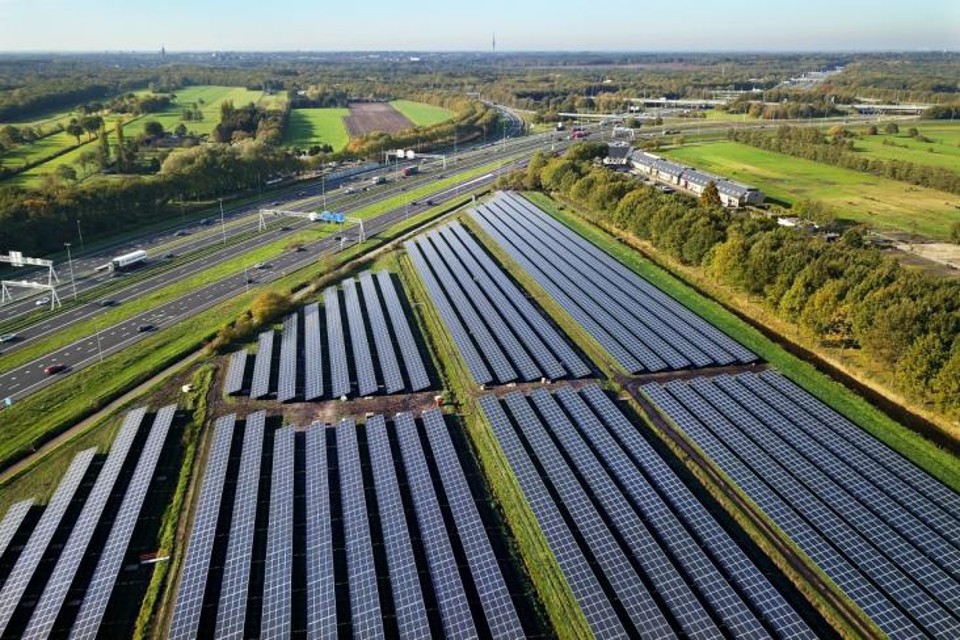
x=54 y=369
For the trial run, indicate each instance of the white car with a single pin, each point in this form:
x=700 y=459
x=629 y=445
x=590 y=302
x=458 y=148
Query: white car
x=9 y=337
x=42 y=301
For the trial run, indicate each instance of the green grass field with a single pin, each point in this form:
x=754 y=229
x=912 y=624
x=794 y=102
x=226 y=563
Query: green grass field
x=853 y=195
x=308 y=127
x=942 y=151
x=208 y=98
x=420 y=114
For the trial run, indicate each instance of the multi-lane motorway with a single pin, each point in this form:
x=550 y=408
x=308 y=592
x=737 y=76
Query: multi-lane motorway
x=30 y=377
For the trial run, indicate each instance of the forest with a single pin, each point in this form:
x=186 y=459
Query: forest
x=841 y=293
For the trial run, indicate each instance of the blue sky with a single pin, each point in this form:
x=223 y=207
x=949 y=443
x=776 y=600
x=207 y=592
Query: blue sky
x=658 y=25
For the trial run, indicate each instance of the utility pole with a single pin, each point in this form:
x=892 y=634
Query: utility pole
x=73 y=281
x=223 y=224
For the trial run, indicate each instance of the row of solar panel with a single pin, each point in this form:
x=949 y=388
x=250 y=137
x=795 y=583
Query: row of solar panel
x=404 y=494
x=380 y=314
x=881 y=529
x=641 y=554
x=641 y=327
x=51 y=613
x=514 y=339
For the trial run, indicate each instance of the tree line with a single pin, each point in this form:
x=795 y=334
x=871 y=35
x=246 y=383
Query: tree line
x=810 y=144
x=841 y=293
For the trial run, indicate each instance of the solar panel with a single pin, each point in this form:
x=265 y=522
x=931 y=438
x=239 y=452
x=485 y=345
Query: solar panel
x=416 y=372
x=594 y=328
x=492 y=353
x=925 y=510
x=100 y=587
x=363 y=361
x=649 y=548
x=782 y=617
x=411 y=612
x=287 y=384
x=894 y=530
x=361 y=571
x=478 y=369
x=494 y=594
x=814 y=500
x=11 y=522
x=193 y=576
x=701 y=333
x=278 y=563
x=261 y=367
x=45 y=612
x=919 y=480
x=339 y=373
x=593 y=602
x=447 y=586
x=28 y=560
x=486 y=311
x=313 y=353
x=232 y=609
x=235 y=370
x=321 y=599
x=392 y=378
x=639 y=604
x=862 y=591
x=499 y=285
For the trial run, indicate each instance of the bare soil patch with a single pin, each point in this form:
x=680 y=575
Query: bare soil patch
x=366 y=117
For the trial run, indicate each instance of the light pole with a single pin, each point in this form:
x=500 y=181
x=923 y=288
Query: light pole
x=323 y=189
x=73 y=280
x=223 y=224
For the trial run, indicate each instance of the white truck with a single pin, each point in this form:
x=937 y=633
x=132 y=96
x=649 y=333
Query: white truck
x=128 y=260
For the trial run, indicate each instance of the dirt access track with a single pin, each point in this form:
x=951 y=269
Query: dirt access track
x=375 y=116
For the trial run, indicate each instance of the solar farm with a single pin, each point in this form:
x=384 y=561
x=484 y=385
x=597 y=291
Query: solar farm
x=64 y=564
x=513 y=481
x=375 y=352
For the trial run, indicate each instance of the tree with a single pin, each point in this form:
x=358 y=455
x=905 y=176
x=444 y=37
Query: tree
x=66 y=173
x=891 y=128
x=181 y=130
x=913 y=132
x=711 y=196
x=871 y=130
x=92 y=125
x=121 y=147
x=87 y=159
x=955 y=232
x=153 y=129
x=103 y=150
x=74 y=129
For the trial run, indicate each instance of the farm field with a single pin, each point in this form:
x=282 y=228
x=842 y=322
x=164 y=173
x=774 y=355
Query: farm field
x=420 y=114
x=307 y=127
x=854 y=196
x=367 y=117
x=208 y=98
x=943 y=151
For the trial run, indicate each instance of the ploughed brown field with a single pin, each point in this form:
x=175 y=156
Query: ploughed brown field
x=375 y=116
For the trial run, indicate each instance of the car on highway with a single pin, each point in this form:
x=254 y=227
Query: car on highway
x=205 y=222
x=181 y=233
x=430 y=202
x=349 y=190
x=42 y=301
x=54 y=369
x=8 y=337
x=143 y=328
x=275 y=203
x=262 y=265
x=108 y=303
x=169 y=256
x=301 y=193
x=285 y=227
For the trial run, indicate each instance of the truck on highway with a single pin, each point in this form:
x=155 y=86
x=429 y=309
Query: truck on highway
x=128 y=260
x=410 y=171
x=378 y=180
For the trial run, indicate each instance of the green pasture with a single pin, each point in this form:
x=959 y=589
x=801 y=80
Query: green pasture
x=420 y=114
x=307 y=127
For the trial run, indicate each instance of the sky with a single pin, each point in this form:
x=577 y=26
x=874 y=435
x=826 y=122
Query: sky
x=445 y=25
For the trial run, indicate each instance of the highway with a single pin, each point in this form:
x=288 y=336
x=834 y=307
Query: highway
x=28 y=378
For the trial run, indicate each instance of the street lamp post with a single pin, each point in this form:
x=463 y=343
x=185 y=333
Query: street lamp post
x=223 y=224
x=73 y=280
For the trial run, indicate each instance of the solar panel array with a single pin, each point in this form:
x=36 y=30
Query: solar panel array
x=278 y=565
x=287 y=384
x=28 y=560
x=100 y=588
x=232 y=610
x=233 y=383
x=402 y=498
x=352 y=366
x=842 y=496
x=11 y=522
x=193 y=576
x=635 y=518
x=261 y=368
x=363 y=361
x=639 y=325
x=45 y=612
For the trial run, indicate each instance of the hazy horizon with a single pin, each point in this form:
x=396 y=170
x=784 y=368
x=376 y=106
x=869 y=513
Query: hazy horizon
x=433 y=26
